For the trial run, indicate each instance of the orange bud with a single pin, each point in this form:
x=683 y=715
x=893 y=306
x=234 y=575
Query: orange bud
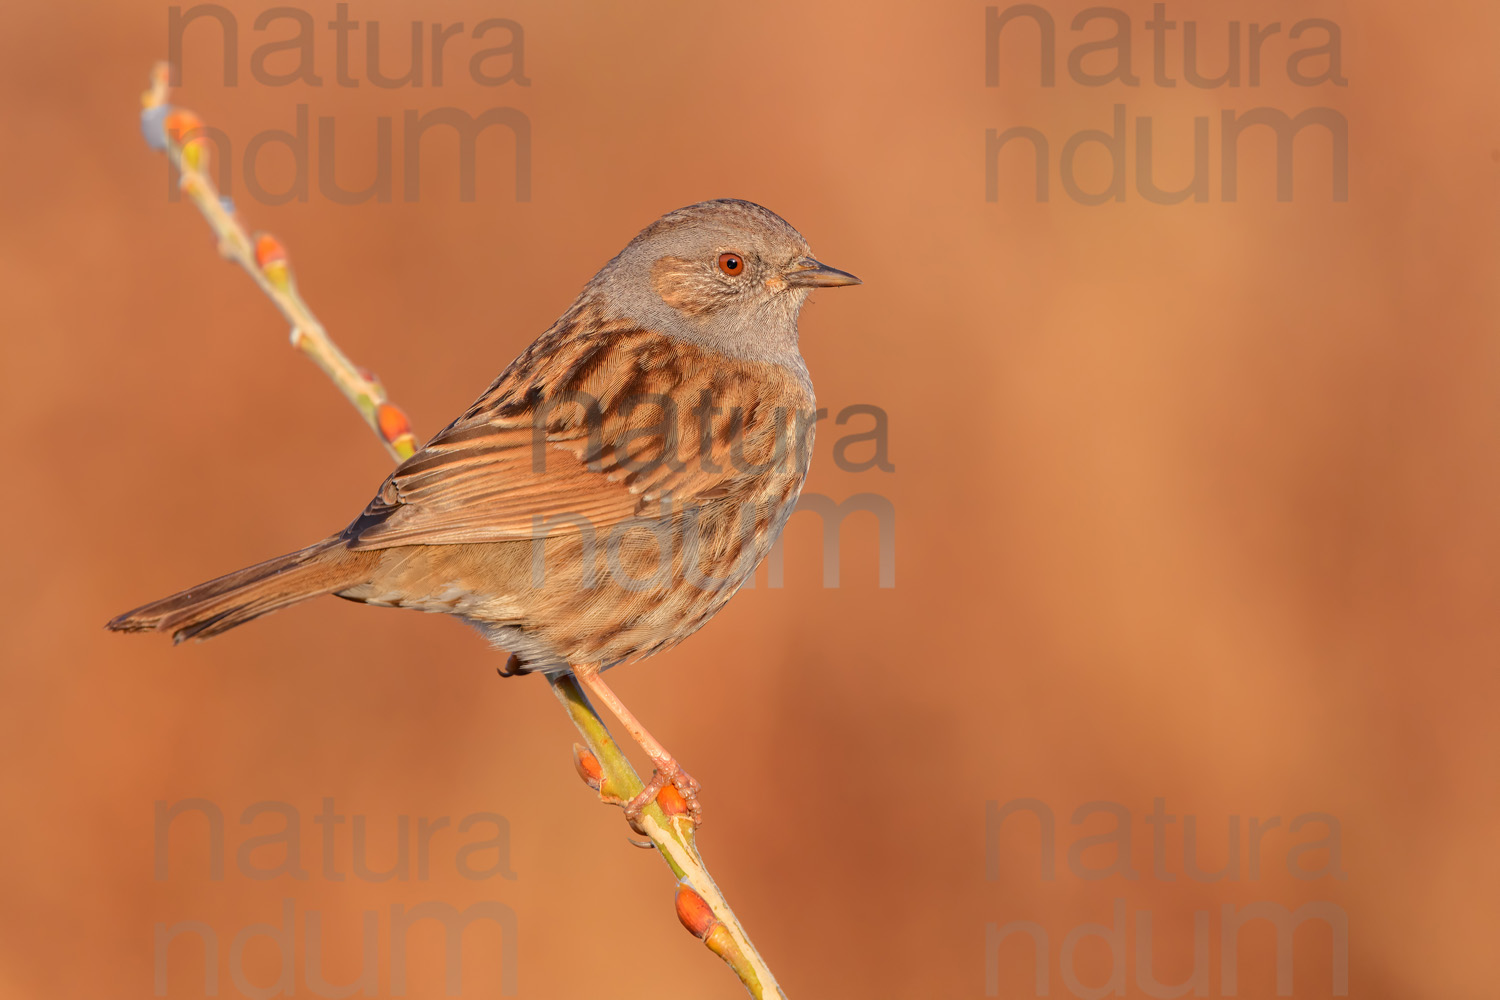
x=268 y=250
x=393 y=423
x=185 y=128
x=271 y=256
x=671 y=801
x=694 y=912
x=180 y=122
x=588 y=766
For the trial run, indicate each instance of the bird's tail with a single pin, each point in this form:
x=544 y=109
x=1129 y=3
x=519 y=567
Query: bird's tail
x=219 y=605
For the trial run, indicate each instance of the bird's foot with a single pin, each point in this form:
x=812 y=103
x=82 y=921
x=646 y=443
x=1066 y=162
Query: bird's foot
x=684 y=784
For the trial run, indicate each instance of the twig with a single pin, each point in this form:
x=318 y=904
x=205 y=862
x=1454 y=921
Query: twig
x=700 y=905
x=183 y=138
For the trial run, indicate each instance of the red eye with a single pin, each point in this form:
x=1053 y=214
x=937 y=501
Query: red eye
x=731 y=264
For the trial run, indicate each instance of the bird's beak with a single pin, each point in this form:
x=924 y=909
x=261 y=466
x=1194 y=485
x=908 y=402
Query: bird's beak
x=809 y=273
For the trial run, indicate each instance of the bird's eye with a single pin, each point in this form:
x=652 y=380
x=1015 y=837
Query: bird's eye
x=732 y=264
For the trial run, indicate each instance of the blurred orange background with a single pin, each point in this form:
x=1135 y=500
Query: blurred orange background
x=1193 y=503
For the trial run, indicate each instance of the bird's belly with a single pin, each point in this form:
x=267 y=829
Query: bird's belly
x=589 y=597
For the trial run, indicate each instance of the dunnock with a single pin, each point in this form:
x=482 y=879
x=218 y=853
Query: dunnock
x=610 y=491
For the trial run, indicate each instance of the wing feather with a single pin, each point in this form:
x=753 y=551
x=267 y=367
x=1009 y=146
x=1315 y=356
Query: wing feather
x=592 y=433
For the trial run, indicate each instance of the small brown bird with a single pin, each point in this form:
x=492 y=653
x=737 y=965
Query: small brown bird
x=610 y=491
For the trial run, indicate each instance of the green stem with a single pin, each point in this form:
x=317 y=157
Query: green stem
x=673 y=836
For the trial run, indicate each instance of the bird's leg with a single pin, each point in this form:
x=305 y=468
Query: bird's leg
x=667 y=768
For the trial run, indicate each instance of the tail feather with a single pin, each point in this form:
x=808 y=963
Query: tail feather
x=219 y=605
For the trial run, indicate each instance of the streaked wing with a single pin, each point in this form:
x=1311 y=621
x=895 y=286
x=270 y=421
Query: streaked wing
x=592 y=431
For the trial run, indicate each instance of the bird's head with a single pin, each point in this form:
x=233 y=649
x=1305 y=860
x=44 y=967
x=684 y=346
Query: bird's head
x=726 y=274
